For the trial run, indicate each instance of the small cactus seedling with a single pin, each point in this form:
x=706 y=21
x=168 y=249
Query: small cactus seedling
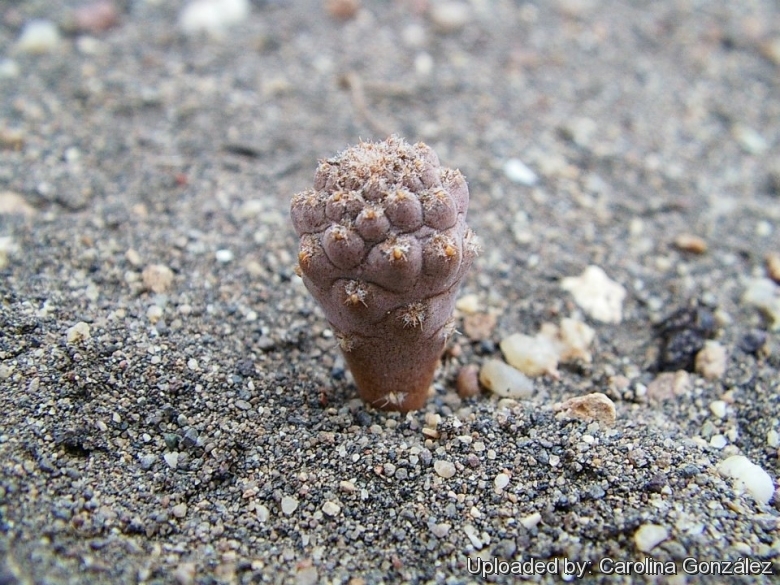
x=383 y=248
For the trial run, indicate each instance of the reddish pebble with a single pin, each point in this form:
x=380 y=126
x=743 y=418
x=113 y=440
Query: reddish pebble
x=467 y=382
x=96 y=17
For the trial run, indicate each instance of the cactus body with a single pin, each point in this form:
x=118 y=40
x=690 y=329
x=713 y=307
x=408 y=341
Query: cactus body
x=383 y=248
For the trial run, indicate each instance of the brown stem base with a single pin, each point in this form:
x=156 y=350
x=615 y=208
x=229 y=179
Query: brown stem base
x=392 y=375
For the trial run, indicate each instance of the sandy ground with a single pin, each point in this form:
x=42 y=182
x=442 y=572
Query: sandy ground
x=196 y=424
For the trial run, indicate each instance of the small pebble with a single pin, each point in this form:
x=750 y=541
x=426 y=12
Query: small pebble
x=596 y=294
x=773 y=439
x=179 y=510
x=711 y=360
x=648 y=536
x=580 y=131
x=749 y=477
x=575 y=339
x=331 y=509
x=501 y=481
x=12 y=203
x=468 y=304
x=147 y=461
x=691 y=243
x=445 y=469
x=133 y=257
x=172 y=459
x=289 y=505
x=78 y=333
x=504 y=380
x=773 y=266
x=718 y=408
x=38 y=37
x=263 y=513
x=533 y=356
x=96 y=17
x=718 y=441
x=224 y=256
x=450 y=16
x=668 y=385
x=764 y=294
x=214 y=17
x=440 y=530
x=517 y=172
x=467 y=381
x=531 y=521
x=595 y=406
x=764 y=228
x=154 y=314
x=156 y=277
x=342 y=9
x=473 y=536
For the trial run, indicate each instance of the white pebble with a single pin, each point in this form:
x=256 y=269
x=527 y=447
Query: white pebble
x=575 y=339
x=718 y=441
x=445 y=469
x=289 y=505
x=78 y=333
x=517 y=172
x=440 y=530
x=471 y=532
x=450 y=16
x=331 y=508
x=531 y=521
x=748 y=476
x=501 y=481
x=764 y=294
x=764 y=229
x=172 y=459
x=262 y=512
x=773 y=439
x=504 y=380
x=533 y=356
x=648 y=536
x=38 y=36
x=468 y=304
x=597 y=295
x=718 y=408
x=224 y=256
x=213 y=16
x=154 y=313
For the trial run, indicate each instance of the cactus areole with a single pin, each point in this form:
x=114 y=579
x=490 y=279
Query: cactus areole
x=383 y=248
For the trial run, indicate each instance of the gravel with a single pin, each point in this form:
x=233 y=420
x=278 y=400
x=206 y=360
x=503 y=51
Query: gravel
x=197 y=425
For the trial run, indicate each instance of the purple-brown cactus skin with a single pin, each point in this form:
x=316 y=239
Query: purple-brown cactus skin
x=384 y=247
